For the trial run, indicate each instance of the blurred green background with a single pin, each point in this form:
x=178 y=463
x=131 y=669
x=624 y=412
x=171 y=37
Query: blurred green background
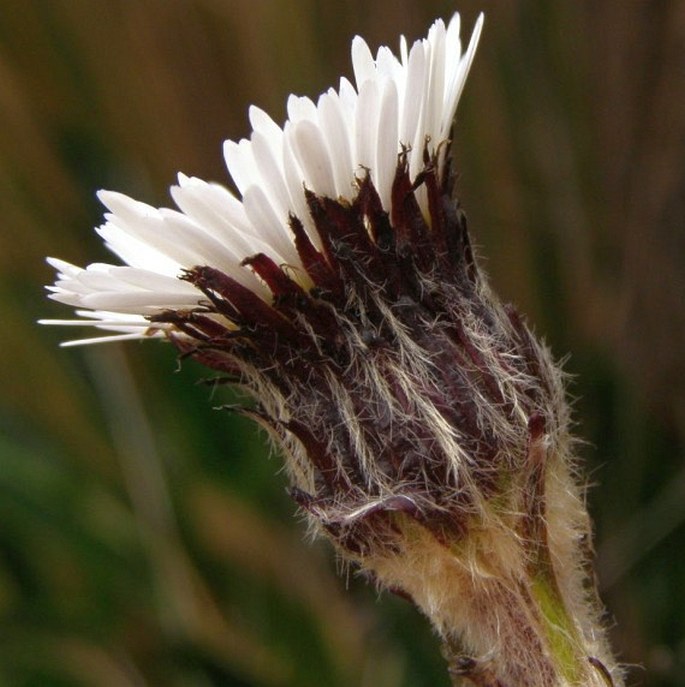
x=146 y=539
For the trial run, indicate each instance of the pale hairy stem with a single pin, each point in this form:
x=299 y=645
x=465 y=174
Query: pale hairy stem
x=508 y=618
x=527 y=648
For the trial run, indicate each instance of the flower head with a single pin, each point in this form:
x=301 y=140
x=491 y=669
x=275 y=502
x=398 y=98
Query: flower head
x=424 y=428
x=404 y=104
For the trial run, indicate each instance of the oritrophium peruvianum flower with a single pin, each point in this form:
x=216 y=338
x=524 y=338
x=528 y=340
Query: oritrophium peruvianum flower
x=424 y=429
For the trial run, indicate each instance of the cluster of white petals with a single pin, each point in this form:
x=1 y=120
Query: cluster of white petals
x=325 y=146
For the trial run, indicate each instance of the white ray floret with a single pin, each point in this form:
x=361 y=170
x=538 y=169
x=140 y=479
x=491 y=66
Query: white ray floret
x=394 y=104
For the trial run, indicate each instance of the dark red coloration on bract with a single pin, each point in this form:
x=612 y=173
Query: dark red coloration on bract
x=396 y=382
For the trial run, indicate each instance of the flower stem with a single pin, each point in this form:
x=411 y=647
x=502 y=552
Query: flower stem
x=509 y=599
x=521 y=635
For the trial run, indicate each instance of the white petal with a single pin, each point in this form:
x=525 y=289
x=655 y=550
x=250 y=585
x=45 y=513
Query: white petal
x=262 y=123
x=337 y=132
x=135 y=252
x=311 y=151
x=216 y=208
x=387 y=64
x=64 y=268
x=455 y=85
x=269 y=161
x=404 y=53
x=240 y=163
x=300 y=108
x=294 y=180
x=362 y=61
x=104 y=339
x=435 y=92
x=387 y=144
x=411 y=121
x=348 y=99
x=131 y=322
x=366 y=125
x=270 y=227
x=144 y=302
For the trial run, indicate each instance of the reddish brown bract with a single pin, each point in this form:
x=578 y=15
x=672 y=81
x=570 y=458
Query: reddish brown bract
x=395 y=381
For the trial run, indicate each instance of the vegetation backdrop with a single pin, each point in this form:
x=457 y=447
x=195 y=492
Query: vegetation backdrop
x=145 y=538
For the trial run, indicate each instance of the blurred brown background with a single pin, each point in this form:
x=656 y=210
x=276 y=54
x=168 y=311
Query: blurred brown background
x=147 y=540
